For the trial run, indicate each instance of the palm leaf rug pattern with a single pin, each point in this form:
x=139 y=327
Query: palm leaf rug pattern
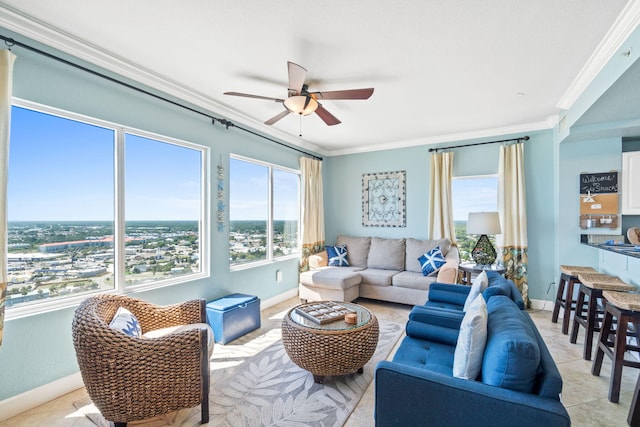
x=256 y=384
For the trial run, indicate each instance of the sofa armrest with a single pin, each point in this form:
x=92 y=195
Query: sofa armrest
x=435 y=324
x=448 y=273
x=447 y=401
x=445 y=293
x=318 y=260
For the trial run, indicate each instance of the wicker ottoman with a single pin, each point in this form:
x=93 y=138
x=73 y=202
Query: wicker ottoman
x=334 y=348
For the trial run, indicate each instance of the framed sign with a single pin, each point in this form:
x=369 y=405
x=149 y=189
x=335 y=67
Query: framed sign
x=599 y=193
x=383 y=199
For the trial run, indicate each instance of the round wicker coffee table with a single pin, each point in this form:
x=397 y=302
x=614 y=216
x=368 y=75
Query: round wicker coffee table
x=334 y=348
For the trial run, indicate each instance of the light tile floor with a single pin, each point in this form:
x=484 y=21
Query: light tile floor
x=584 y=395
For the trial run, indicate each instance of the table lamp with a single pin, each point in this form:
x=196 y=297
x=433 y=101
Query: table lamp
x=483 y=223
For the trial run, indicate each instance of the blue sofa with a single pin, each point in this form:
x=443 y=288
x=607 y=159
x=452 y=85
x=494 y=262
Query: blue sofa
x=443 y=295
x=519 y=384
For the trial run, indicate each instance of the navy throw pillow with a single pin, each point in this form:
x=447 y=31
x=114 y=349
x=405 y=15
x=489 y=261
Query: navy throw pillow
x=337 y=255
x=432 y=261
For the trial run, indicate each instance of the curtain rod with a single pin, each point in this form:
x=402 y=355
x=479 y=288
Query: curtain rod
x=10 y=42
x=524 y=138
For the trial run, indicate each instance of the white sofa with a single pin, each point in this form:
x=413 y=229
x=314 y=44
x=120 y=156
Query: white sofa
x=379 y=268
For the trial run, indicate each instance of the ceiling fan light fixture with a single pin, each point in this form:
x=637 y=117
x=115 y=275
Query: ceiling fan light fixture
x=300 y=104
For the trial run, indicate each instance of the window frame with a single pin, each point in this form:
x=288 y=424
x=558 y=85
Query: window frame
x=120 y=287
x=466 y=177
x=269 y=250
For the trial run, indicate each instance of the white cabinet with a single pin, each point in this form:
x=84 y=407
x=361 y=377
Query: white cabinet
x=631 y=183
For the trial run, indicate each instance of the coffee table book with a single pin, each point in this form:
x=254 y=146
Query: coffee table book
x=321 y=312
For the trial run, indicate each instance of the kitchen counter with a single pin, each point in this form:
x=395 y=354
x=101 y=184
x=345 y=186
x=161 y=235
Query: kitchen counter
x=626 y=249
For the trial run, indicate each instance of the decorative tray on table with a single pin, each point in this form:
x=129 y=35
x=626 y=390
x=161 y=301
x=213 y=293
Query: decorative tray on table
x=323 y=312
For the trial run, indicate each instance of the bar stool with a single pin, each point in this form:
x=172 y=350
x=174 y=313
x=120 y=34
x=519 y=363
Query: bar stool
x=625 y=307
x=568 y=277
x=633 y=418
x=590 y=317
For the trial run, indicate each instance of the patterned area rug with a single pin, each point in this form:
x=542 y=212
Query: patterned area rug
x=254 y=383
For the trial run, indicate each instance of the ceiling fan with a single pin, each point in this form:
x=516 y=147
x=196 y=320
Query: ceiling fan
x=301 y=101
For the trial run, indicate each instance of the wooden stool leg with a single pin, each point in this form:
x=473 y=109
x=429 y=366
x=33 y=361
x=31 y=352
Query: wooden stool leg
x=618 y=358
x=633 y=419
x=577 y=315
x=591 y=324
x=568 y=303
x=604 y=336
x=559 y=298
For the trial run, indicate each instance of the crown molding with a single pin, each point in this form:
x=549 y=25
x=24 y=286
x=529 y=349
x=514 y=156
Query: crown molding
x=622 y=28
x=546 y=124
x=55 y=38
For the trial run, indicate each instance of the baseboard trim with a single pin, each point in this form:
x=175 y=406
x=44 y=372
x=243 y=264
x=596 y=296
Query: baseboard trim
x=541 y=304
x=20 y=403
x=278 y=298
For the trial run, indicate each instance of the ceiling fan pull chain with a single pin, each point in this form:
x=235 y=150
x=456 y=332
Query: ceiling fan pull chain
x=300 y=133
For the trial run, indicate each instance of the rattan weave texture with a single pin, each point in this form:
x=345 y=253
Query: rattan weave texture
x=574 y=270
x=329 y=352
x=604 y=282
x=130 y=379
x=623 y=300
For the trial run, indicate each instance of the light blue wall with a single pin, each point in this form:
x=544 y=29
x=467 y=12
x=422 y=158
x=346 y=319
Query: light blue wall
x=343 y=194
x=38 y=349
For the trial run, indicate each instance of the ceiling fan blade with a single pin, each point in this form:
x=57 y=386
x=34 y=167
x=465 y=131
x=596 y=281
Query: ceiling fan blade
x=247 y=95
x=326 y=116
x=297 y=75
x=345 y=94
x=275 y=118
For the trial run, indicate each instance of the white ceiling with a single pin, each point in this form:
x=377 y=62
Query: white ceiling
x=442 y=69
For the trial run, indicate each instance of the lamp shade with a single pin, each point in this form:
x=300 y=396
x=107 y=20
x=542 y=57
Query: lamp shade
x=299 y=104
x=483 y=223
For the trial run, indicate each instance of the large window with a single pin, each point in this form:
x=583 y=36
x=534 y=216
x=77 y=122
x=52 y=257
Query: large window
x=472 y=194
x=264 y=211
x=95 y=207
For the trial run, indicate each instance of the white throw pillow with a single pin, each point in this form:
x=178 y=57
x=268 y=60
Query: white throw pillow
x=467 y=358
x=126 y=322
x=480 y=283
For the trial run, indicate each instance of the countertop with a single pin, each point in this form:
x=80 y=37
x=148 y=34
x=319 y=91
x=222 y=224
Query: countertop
x=626 y=249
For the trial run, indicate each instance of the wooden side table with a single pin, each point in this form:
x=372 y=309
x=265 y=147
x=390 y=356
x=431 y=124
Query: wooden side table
x=467 y=268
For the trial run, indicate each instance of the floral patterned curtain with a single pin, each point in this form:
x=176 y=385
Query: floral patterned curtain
x=7 y=59
x=312 y=209
x=512 y=208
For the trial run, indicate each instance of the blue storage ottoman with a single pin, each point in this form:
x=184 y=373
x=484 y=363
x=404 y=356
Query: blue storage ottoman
x=232 y=316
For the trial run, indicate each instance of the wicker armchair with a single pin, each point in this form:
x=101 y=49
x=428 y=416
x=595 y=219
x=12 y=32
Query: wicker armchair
x=129 y=378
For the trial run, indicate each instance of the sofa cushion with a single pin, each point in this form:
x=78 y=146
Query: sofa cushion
x=386 y=254
x=467 y=359
x=431 y=261
x=411 y=280
x=512 y=356
x=377 y=277
x=429 y=355
x=357 y=248
x=479 y=284
x=157 y=333
x=415 y=248
x=337 y=256
x=126 y=322
x=331 y=277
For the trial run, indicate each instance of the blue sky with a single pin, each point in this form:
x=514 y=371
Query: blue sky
x=62 y=170
x=474 y=194
x=248 y=192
